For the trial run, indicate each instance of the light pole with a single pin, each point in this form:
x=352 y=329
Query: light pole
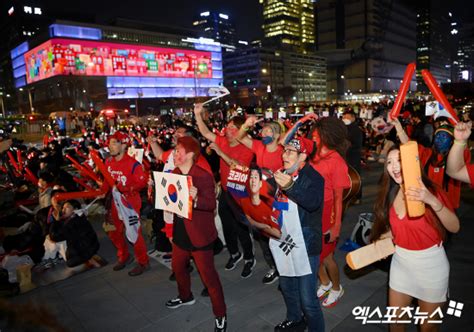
x=2 y=104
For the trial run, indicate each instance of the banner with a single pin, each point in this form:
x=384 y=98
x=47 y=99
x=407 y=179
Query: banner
x=172 y=193
x=237 y=181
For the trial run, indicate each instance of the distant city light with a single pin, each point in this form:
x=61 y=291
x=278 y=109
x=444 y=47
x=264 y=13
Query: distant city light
x=224 y=16
x=454 y=32
x=464 y=75
x=243 y=42
x=11 y=11
x=205 y=14
x=342 y=76
x=450 y=15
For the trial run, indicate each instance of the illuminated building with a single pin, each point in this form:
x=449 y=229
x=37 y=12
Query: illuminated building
x=217 y=26
x=84 y=66
x=367 y=43
x=433 y=42
x=289 y=23
x=255 y=73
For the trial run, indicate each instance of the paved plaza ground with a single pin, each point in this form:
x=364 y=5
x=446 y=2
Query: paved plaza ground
x=104 y=300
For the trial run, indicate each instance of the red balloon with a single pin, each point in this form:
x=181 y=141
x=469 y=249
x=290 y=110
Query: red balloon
x=439 y=95
x=402 y=92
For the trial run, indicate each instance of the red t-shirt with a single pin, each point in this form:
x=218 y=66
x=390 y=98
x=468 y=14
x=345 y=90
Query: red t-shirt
x=261 y=213
x=470 y=173
x=415 y=233
x=333 y=168
x=201 y=161
x=436 y=174
x=239 y=152
x=265 y=159
x=130 y=177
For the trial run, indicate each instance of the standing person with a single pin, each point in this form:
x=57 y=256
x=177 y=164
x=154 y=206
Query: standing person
x=354 y=153
x=434 y=160
x=232 y=153
x=299 y=200
x=195 y=237
x=419 y=267
x=330 y=136
x=457 y=167
x=268 y=156
x=130 y=178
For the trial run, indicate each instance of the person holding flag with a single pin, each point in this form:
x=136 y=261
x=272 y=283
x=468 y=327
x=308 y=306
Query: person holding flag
x=195 y=237
x=298 y=209
x=130 y=178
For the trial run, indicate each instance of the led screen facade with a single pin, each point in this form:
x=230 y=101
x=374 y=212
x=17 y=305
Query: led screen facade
x=94 y=58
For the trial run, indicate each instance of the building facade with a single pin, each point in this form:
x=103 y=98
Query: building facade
x=257 y=74
x=85 y=66
x=217 y=26
x=289 y=24
x=367 y=43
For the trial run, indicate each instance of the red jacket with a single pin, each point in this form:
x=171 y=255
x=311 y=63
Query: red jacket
x=201 y=228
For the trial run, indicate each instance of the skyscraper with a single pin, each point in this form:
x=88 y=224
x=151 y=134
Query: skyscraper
x=434 y=50
x=217 y=26
x=367 y=43
x=289 y=23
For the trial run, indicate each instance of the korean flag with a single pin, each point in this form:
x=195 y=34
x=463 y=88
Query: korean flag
x=172 y=193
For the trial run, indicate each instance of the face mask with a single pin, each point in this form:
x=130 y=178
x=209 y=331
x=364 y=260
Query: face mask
x=293 y=168
x=442 y=142
x=267 y=140
x=346 y=121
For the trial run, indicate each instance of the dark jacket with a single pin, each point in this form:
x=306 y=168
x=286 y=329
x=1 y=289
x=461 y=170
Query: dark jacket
x=81 y=239
x=201 y=228
x=354 y=153
x=308 y=193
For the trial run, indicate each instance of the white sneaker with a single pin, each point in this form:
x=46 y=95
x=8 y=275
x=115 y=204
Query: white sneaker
x=333 y=297
x=323 y=290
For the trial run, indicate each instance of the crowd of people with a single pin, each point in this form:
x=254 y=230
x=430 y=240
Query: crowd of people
x=280 y=184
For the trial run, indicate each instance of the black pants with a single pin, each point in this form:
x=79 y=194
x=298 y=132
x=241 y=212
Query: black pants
x=162 y=243
x=234 y=228
x=267 y=254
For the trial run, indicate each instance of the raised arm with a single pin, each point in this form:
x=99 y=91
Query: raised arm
x=229 y=161
x=456 y=167
x=155 y=147
x=242 y=135
x=291 y=133
x=209 y=135
x=402 y=135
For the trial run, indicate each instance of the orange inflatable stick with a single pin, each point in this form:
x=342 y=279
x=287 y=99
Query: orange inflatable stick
x=411 y=174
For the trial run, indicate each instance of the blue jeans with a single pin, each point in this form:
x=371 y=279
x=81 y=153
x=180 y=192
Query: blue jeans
x=300 y=298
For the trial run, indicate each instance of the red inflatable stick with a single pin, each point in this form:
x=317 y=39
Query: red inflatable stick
x=13 y=161
x=83 y=183
x=101 y=166
x=30 y=176
x=18 y=158
x=439 y=95
x=78 y=194
x=82 y=169
x=402 y=92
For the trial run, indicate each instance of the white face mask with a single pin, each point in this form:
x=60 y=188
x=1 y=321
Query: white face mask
x=346 y=121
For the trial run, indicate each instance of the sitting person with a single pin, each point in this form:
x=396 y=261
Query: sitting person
x=77 y=240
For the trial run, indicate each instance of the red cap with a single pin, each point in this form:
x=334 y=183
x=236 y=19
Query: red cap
x=121 y=137
x=302 y=145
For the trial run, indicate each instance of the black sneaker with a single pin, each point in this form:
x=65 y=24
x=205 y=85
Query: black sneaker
x=288 y=325
x=177 y=302
x=270 y=277
x=205 y=292
x=220 y=324
x=232 y=262
x=248 y=268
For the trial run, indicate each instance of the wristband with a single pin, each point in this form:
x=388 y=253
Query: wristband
x=460 y=142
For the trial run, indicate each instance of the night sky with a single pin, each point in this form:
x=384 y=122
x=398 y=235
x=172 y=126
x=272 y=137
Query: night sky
x=247 y=14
